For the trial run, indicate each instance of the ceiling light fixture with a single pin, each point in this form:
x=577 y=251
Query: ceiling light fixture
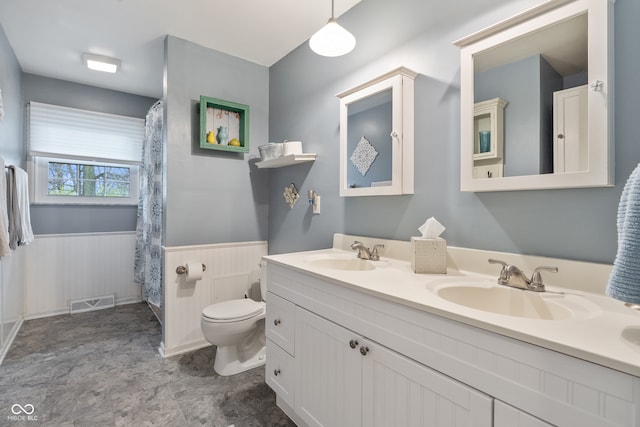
x=101 y=63
x=332 y=39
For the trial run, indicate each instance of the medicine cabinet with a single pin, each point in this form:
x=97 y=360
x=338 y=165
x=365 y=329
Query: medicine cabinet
x=376 y=136
x=488 y=124
x=526 y=61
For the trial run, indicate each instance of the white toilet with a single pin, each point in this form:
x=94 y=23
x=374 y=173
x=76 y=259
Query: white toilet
x=236 y=327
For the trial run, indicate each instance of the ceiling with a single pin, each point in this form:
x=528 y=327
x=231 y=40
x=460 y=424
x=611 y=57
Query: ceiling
x=567 y=58
x=49 y=37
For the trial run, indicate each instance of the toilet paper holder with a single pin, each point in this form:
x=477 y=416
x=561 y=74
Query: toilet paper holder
x=181 y=269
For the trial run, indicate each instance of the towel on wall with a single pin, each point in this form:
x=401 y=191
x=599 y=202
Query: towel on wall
x=22 y=199
x=12 y=210
x=20 y=232
x=624 y=282
x=4 y=218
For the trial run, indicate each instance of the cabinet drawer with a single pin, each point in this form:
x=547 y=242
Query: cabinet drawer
x=280 y=372
x=279 y=326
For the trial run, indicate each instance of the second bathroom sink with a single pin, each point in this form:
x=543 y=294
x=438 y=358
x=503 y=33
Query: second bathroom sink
x=508 y=301
x=501 y=300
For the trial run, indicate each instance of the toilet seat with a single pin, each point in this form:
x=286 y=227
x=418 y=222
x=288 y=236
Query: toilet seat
x=232 y=310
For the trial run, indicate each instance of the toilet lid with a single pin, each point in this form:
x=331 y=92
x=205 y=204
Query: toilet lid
x=237 y=309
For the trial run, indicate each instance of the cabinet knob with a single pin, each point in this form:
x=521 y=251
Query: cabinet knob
x=364 y=350
x=276 y=372
x=560 y=136
x=276 y=322
x=353 y=343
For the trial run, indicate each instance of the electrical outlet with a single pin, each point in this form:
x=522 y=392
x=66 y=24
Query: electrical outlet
x=316 y=205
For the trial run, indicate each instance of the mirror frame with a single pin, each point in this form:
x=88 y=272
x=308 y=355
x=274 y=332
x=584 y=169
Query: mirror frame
x=401 y=83
x=600 y=99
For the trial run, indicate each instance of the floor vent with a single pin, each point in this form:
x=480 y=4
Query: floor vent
x=92 y=304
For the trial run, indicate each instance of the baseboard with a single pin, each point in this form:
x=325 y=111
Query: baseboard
x=185 y=348
x=12 y=336
x=56 y=312
x=65 y=310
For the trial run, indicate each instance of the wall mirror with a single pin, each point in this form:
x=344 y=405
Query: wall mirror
x=376 y=136
x=536 y=91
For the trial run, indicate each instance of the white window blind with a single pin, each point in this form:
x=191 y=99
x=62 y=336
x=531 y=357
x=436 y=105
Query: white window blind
x=56 y=131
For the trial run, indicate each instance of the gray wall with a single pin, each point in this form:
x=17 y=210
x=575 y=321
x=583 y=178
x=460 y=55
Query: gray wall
x=212 y=196
x=569 y=223
x=11 y=145
x=53 y=219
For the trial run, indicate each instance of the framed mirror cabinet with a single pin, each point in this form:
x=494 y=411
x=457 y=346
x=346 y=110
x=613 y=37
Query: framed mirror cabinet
x=536 y=99
x=376 y=136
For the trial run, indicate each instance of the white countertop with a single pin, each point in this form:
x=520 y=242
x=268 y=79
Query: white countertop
x=605 y=333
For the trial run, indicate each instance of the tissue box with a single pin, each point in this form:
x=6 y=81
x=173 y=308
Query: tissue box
x=429 y=255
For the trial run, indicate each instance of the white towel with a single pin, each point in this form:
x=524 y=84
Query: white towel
x=4 y=218
x=22 y=198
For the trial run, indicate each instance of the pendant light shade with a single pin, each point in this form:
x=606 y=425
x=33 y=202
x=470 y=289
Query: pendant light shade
x=332 y=39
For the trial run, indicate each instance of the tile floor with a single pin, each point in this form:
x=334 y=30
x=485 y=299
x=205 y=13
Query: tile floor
x=103 y=369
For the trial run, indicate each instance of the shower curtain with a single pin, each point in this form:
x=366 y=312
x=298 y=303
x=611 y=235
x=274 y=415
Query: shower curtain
x=148 y=255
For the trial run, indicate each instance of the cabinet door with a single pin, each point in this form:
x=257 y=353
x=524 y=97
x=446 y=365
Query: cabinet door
x=396 y=391
x=508 y=416
x=328 y=372
x=570 y=140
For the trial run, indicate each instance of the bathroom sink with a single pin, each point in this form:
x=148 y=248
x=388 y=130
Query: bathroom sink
x=513 y=302
x=344 y=262
x=354 y=264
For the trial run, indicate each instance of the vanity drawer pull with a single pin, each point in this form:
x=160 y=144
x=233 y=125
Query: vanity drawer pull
x=276 y=372
x=364 y=350
x=276 y=322
x=353 y=343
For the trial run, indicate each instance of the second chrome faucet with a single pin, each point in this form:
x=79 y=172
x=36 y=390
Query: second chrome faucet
x=510 y=275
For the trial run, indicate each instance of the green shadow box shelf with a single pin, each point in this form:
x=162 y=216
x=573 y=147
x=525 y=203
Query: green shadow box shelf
x=224 y=125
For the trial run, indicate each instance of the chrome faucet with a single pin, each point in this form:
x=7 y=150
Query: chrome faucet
x=512 y=276
x=366 y=253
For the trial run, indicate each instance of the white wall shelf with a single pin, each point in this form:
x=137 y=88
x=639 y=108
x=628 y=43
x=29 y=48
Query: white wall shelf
x=288 y=160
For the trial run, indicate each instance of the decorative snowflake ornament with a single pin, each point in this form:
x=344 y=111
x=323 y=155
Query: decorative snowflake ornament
x=363 y=156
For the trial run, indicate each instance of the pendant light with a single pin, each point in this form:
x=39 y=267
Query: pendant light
x=332 y=39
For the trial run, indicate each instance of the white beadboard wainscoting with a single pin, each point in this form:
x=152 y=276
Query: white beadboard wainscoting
x=232 y=269
x=11 y=298
x=60 y=268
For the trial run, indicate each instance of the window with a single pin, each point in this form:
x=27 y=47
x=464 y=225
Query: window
x=83 y=157
x=59 y=181
x=89 y=180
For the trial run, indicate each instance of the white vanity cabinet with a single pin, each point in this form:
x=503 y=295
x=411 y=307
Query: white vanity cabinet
x=419 y=368
x=343 y=379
